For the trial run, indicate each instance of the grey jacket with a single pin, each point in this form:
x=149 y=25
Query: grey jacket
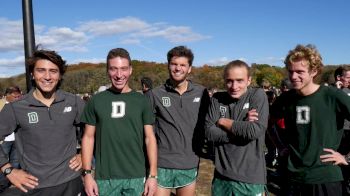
x=45 y=136
x=179 y=125
x=239 y=154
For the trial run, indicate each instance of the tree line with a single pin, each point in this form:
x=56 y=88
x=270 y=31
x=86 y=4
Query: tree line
x=88 y=77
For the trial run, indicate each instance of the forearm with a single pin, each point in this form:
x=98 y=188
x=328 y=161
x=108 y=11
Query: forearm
x=152 y=157
x=215 y=134
x=151 y=148
x=87 y=151
x=248 y=130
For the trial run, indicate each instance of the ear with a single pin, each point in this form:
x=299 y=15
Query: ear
x=313 y=73
x=189 y=70
x=249 y=80
x=130 y=70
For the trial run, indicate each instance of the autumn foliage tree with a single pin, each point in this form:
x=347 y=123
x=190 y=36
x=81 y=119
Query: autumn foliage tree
x=88 y=77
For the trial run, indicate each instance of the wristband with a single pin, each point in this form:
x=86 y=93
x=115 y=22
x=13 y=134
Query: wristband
x=151 y=176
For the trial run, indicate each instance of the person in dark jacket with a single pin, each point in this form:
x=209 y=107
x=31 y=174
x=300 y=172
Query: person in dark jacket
x=179 y=106
x=44 y=122
x=237 y=121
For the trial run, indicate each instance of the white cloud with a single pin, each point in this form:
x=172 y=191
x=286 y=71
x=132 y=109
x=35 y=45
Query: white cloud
x=174 y=34
x=11 y=35
x=130 y=41
x=93 y=60
x=112 y=27
x=270 y=61
x=218 y=62
x=133 y=29
x=18 y=61
x=128 y=30
x=63 y=39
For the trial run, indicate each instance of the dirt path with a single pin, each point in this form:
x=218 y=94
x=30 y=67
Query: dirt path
x=205 y=176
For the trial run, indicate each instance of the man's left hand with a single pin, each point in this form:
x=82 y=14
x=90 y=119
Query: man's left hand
x=333 y=156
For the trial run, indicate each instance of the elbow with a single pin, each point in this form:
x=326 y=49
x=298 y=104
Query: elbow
x=254 y=131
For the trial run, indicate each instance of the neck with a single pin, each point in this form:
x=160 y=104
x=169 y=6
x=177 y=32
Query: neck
x=308 y=90
x=180 y=87
x=44 y=97
x=126 y=89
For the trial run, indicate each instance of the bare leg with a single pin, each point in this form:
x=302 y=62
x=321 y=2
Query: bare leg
x=162 y=191
x=189 y=190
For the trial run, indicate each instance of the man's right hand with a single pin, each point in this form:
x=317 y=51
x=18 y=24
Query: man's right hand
x=90 y=185
x=22 y=180
x=252 y=115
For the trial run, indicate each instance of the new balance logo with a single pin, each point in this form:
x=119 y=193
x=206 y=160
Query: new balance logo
x=197 y=99
x=246 y=106
x=67 y=109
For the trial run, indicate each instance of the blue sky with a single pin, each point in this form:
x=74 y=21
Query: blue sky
x=217 y=31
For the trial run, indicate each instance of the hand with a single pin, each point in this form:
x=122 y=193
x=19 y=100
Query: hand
x=75 y=162
x=90 y=185
x=338 y=84
x=252 y=115
x=22 y=180
x=225 y=124
x=150 y=187
x=333 y=156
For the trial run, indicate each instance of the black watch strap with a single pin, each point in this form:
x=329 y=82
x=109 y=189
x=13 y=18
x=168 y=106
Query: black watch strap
x=86 y=171
x=8 y=170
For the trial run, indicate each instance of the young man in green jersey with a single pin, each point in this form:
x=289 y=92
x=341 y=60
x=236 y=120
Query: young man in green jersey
x=179 y=106
x=119 y=121
x=237 y=122
x=314 y=118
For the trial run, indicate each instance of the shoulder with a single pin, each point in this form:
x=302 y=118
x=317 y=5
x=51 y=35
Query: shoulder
x=157 y=90
x=197 y=86
x=137 y=95
x=221 y=96
x=70 y=97
x=256 y=93
x=256 y=90
x=100 y=95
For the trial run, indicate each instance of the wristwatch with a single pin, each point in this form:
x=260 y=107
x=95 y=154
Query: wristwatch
x=8 y=170
x=151 y=176
x=86 y=171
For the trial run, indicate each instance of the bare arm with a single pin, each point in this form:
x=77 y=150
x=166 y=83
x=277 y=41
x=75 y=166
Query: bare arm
x=151 y=147
x=87 y=154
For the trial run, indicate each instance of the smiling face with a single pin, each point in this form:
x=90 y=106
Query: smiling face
x=119 y=72
x=237 y=80
x=46 y=76
x=300 y=75
x=179 y=69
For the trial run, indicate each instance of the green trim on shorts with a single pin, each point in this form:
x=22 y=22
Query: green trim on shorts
x=232 y=187
x=176 y=178
x=132 y=187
